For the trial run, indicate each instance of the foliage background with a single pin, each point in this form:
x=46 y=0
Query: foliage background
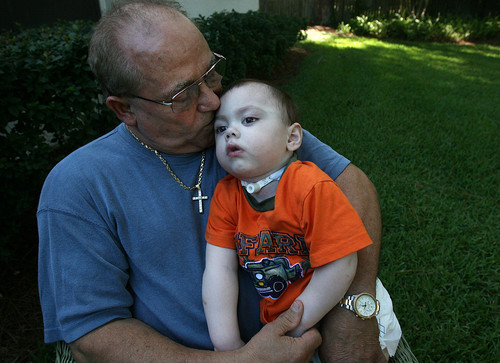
x=425 y=28
x=333 y=12
x=50 y=108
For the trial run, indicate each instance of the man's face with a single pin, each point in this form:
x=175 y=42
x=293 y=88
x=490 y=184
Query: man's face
x=170 y=61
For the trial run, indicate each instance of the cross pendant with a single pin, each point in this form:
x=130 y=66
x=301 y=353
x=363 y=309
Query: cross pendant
x=200 y=198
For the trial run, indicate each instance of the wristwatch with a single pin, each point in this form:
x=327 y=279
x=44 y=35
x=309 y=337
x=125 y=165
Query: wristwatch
x=364 y=305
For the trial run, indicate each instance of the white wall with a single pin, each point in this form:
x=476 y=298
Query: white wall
x=208 y=7
x=105 y=5
x=194 y=8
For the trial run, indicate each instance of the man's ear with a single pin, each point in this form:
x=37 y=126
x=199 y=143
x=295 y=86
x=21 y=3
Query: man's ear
x=121 y=108
x=294 y=137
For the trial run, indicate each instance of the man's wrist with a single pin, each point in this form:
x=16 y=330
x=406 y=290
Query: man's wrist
x=364 y=305
x=363 y=285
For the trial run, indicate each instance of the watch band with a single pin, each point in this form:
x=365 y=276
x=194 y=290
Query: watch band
x=348 y=302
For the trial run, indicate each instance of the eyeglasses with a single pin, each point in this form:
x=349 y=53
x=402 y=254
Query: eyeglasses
x=187 y=96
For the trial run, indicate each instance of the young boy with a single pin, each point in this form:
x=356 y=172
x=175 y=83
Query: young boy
x=285 y=221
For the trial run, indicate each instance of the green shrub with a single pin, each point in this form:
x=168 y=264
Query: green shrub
x=426 y=28
x=253 y=42
x=396 y=27
x=360 y=25
x=344 y=28
x=479 y=30
x=50 y=105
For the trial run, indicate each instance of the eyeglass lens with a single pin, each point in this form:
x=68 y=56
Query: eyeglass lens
x=186 y=98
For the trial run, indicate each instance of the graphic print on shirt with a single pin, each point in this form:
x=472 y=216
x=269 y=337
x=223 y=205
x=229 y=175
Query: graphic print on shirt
x=274 y=260
x=271 y=277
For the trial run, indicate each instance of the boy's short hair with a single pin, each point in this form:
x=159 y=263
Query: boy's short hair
x=283 y=99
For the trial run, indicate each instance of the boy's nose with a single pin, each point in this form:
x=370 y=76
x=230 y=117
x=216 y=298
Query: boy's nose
x=231 y=132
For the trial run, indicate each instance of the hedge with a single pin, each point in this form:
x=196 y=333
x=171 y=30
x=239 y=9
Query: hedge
x=52 y=105
x=426 y=28
x=254 y=42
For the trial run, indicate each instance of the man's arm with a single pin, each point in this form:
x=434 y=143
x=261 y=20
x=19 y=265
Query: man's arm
x=363 y=196
x=129 y=340
x=346 y=337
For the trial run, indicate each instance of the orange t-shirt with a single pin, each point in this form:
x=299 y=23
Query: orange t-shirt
x=312 y=224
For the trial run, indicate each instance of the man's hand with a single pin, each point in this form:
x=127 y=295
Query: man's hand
x=272 y=344
x=347 y=338
x=129 y=340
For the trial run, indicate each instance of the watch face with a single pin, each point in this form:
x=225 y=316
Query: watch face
x=365 y=305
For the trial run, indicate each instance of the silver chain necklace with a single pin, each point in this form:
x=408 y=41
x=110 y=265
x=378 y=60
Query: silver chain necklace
x=197 y=198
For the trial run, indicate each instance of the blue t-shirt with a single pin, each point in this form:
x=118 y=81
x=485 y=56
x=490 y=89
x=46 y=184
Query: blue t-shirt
x=120 y=238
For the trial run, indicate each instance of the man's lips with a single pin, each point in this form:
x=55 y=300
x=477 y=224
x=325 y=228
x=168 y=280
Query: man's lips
x=233 y=150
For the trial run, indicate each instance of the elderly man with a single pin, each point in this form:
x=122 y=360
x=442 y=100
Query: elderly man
x=122 y=220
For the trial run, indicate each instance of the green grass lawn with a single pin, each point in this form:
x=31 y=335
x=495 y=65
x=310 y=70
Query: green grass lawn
x=423 y=121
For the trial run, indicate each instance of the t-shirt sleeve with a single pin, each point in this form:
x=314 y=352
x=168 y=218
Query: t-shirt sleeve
x=327 y=159
x=332 y=226
x=83 y=274
x=222 y=221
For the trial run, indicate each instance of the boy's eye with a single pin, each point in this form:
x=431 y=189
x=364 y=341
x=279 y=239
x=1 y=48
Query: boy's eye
x=220 y=129
x=249 y=120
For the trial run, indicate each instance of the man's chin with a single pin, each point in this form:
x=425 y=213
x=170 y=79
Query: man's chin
x=208 y=134
x=210 y=140
x=205 y=139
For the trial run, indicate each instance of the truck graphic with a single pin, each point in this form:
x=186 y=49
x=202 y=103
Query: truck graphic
x=272 y=276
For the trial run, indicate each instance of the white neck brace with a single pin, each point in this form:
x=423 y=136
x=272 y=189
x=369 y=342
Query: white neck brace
x=257 y=186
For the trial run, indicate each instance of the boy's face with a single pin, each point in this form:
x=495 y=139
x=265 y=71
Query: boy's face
x=252 y=140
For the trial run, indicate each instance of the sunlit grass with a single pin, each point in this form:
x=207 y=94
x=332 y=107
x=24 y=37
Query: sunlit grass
x=423 y=121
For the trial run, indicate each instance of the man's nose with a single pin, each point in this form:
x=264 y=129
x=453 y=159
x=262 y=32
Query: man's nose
x=209 y=98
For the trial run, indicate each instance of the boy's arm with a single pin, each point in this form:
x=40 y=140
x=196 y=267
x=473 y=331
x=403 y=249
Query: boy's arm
x=220 y=297
x=328 y=285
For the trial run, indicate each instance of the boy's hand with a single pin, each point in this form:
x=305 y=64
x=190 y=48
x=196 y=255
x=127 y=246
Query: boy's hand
x=272 y=344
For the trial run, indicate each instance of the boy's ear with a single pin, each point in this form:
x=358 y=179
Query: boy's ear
x=294 y=137
x=121 y=108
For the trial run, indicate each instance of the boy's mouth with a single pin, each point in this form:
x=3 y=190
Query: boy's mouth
x=233 y=150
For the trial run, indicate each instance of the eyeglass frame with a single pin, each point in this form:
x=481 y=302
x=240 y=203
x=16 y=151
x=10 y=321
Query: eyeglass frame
x=198 y=82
